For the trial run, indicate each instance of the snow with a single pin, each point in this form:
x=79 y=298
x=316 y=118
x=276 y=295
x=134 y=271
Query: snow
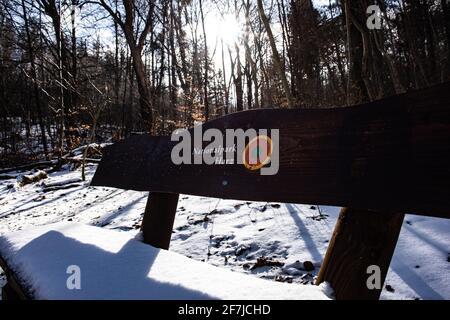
x=234 y=234
x=113 y=265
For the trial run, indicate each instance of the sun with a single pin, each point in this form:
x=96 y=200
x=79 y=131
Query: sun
x=224 y=28
x=229 y=30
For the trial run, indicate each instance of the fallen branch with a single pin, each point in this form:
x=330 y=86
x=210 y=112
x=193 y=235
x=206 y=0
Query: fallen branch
x=81 y=160
x=36 y=165
x=32 y=178
x=63 y=187
x=61 y=183
x=80 y=150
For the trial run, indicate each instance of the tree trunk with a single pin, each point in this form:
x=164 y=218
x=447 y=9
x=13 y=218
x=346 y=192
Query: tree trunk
x=276 y=56
x=205 y=78
x=35 y=81
x=143 y=89
x=356 y=89
x=225 y=86
x=136 y=44
x=445 y=4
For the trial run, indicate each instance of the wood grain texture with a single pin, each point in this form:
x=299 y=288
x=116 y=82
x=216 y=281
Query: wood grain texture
x=361 y=238
x=390 y=155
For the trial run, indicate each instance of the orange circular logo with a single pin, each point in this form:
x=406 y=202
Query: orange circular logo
x=257 y=152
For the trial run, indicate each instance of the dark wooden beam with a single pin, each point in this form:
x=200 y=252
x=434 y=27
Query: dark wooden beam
x=391 y=155
x=159 y=217
x=361 y=239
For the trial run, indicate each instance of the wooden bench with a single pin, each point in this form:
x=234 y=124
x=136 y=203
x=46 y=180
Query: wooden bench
x=378 y=161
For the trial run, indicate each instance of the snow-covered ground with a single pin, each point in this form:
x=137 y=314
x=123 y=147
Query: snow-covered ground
x=267 y=240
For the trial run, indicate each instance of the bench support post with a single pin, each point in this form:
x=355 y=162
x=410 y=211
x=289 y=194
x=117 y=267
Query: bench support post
x=159 y=216
x=361 y=238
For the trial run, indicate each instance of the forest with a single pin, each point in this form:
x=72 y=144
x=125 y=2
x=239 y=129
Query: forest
x=74 y=72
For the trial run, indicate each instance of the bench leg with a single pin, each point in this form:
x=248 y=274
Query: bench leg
x=158 y=219
x=361 y=238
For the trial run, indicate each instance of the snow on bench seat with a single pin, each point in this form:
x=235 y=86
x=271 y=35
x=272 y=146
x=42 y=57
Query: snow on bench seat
x=114 y=265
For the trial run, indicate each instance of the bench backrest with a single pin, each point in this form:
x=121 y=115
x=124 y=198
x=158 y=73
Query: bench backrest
x=390 y=155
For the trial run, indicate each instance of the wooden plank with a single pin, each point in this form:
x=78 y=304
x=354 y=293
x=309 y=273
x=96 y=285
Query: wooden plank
x=390 y=155
x=361 y=239
x=159 y=216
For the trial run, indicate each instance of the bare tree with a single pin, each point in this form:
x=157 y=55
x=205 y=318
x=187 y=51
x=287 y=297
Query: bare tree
x=276 y=55
x=205 y=78
x=36 y=92
x=136 y=42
